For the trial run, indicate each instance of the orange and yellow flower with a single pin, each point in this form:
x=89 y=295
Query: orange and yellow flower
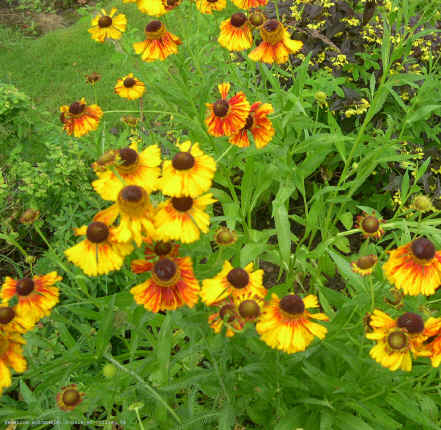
x=11 y=356
x=107 y=26
x=285 y=324
x=153 y=251
x=365 y=265
x=227 y=116
x=79 y=119
x=396 y=339
x=276 y=45
x=183 y=218
x=432 y=345
x=235 y=33
x=135 y=168
x=415 y=267
x=129 y=87
x=69 y=398
x=36 y=296
x=258 y=125
x=159 y=43
x=208 y=6
x=136 y=215
x=370 y=226
x=171 y=286
x=225 y=237
x=99 y=253
x=240 y=284
x=249 y=4
x=190 y=173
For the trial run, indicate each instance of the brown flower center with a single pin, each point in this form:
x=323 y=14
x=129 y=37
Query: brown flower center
x=370 y=224
x=249 y=122
x=397 y=340
x=171 y=2
x=128 y=156
x=76 y=108
x=71 y=397
x=366 y=262
x=25 y=286
x=211 y=1
x=227 y=311
x=238 y=19
x=292 y=304
x=97 y=232
x=132 y=193
x=129 y=82
x=271 y=25
x=162 y=248
x=412 y=322
x=238 y=278
x=183 y=161
x=182 y=204
x=153 y=26
x=220 y=108
x=423 y=248
x=165 y=269
x=105 y=21
x=249 y=309
x=7 y=314
x=62 y=117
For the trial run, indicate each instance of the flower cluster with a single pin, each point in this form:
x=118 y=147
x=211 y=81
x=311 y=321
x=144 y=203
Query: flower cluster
x=234 y=117
x=24 y=302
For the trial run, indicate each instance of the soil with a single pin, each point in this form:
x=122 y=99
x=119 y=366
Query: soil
x=35 y=23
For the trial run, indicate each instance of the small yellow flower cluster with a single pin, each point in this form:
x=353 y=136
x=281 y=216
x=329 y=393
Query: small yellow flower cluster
x=361 y=107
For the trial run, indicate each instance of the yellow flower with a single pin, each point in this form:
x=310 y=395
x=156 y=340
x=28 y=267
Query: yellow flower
x=136 y=215
x=129 y=87
x=396 y=339
x=415 y=267
x=370 y=226
x=190 y=173
x=183 y=218
x=285 y=324
x=171 y=286
x=107 y=26
x=135 y=168
x=240 y=284
x=98 y=253
x=12 y=320
x=11 y=355
x=432 y=345
x=208 y=6
x=365 y=265
x=235 y=33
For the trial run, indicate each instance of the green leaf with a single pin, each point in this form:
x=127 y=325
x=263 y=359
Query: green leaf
x=27 y=394
x=345 y=269
x=347 y=220
x=347 y=421
x=422 y=112
x=105 y=327
x=402 y=404
x=342 y=243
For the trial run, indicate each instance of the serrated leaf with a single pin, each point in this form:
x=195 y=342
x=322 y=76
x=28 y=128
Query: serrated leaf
x=347 y=220
x=342 y=243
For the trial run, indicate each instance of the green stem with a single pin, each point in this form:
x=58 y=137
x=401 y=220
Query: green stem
x=141 y=425
x=371 y=284
x=144 y=384
x=224 y=153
